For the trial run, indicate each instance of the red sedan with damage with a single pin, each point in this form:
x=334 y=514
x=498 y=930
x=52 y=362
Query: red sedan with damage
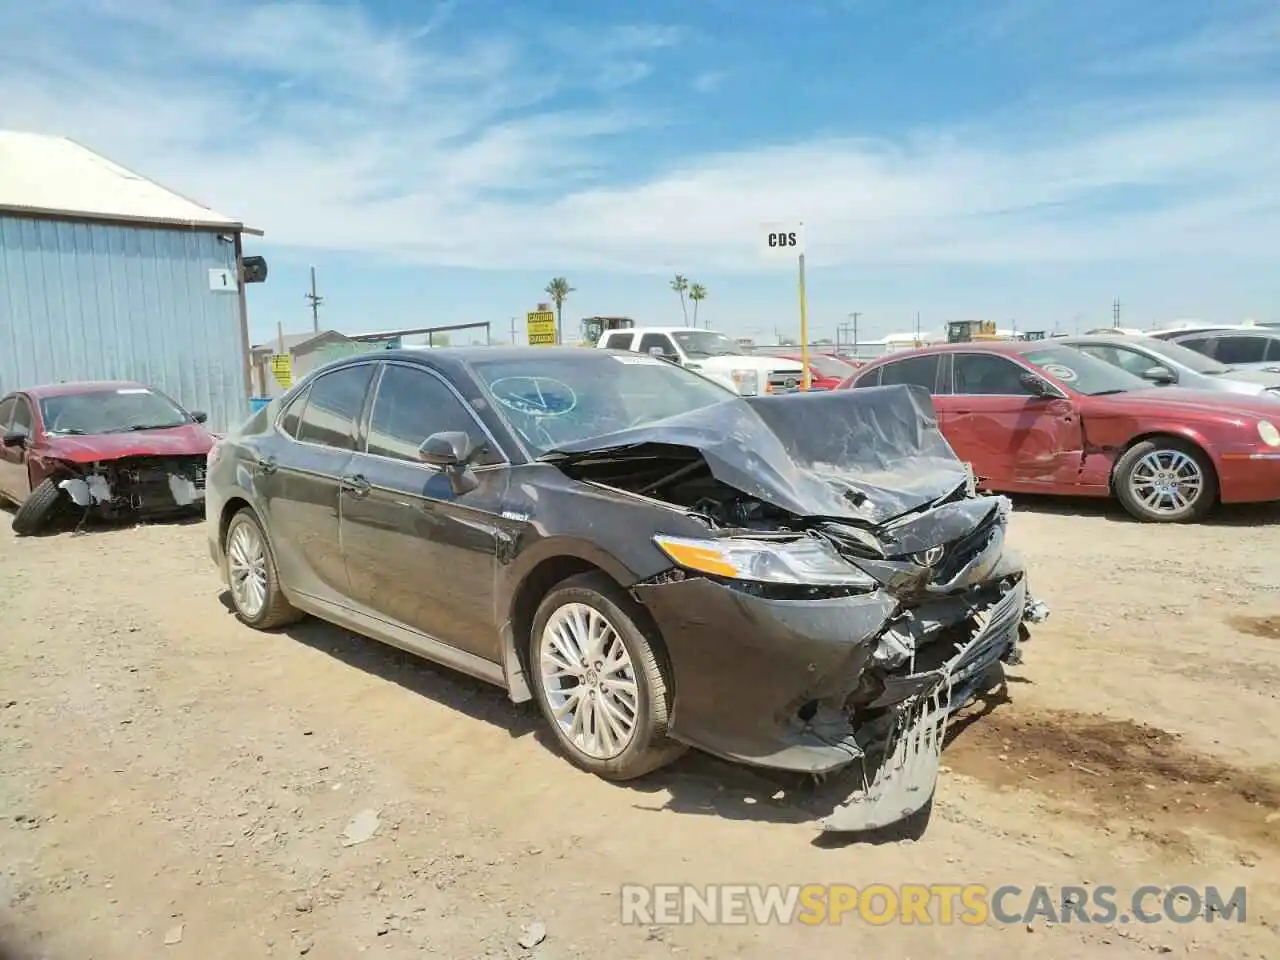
x=1044 y=418
x=826 y=371
x=114 y=448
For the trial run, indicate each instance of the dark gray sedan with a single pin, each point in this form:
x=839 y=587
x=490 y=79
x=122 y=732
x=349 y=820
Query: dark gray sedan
x=801 y=582
x=1167 y=363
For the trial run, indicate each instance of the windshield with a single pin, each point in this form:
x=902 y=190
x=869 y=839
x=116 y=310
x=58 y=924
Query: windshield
x=1187 y=357
x=828 y=366
x=704 y=343
x=1083 y=373
x=111 y=411
x=562 y=400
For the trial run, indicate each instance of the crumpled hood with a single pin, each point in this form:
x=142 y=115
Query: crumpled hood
x=870 y=454
x=189 y=440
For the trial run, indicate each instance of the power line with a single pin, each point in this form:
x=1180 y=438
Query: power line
x=1115 y=313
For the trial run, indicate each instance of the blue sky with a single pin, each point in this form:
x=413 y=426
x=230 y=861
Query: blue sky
x=440 y=162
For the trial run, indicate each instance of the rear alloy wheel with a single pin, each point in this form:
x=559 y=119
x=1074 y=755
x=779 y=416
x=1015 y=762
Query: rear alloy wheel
x=251 y=575
x=1165 y=481
x=599 y=680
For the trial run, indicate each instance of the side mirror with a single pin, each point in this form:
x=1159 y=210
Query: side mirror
x=1160 y=375
x=1038 y=386
x=199 y=416
x=451 y=452
x=15 y=439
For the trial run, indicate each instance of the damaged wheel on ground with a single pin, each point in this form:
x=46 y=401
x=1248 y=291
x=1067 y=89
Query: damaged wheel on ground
x=38 y=509
x=600 y=679
x=251 y=574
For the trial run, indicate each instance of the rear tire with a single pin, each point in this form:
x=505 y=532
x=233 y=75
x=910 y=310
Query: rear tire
x=616 y=678
x=1166 y=481
x=38 y=509
x=250 y=570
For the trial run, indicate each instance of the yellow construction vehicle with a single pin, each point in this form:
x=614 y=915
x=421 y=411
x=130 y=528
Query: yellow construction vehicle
x=967 y=331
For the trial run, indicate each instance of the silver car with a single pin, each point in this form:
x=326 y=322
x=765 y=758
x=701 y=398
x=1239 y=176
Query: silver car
x=1241 y=348
x=1166 y=363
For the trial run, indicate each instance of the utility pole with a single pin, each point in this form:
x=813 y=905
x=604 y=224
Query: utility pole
x=316 y=300
x=513 y=331
x=854 y=317
x=1115 y=313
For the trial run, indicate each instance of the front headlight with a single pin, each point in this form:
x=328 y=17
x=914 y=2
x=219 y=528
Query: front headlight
x=1269 y=434
x=746 y=382
x=805 y=561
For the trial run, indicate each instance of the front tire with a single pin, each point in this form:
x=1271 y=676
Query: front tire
x=250 y=570
x=1166 y=481
x=38 y=509
x=600 y=680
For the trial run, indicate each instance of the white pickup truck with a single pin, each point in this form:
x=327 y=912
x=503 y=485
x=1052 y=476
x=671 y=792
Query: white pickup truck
x=713 y=355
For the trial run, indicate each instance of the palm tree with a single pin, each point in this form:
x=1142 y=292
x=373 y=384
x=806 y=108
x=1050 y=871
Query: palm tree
x=680 y=284
x=558 y=290
x=697 y=293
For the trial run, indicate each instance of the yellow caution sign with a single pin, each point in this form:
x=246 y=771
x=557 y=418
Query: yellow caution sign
x=282 y=369
x=541 y=328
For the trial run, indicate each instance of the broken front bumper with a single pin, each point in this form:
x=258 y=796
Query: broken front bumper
x=143 y=488
x=765 y=682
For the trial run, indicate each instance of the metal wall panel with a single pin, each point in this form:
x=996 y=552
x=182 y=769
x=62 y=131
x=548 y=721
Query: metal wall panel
x=85 y=301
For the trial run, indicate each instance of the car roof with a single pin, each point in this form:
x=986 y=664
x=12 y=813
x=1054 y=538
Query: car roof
x=1005 y=347
x=1099 y=338
x=44 y=391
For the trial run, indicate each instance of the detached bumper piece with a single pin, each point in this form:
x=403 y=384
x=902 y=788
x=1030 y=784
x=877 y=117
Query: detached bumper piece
x=905 y=780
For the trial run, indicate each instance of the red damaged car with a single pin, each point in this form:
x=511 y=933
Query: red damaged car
x=826 y=371
x=1037 y=417
x=110 y=448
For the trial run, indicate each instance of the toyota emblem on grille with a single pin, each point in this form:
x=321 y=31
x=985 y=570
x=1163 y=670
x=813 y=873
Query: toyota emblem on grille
x=927 y=558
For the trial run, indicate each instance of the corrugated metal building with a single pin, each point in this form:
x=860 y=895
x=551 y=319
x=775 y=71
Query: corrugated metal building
x=107 y=275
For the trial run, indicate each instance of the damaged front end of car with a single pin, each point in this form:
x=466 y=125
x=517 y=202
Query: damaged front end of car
x=138 y=486
x=851 y=592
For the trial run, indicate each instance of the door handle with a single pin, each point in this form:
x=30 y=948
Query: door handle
x=266 y=465
x=357 y=486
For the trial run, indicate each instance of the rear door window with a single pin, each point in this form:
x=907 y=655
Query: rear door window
x=332 y=414
x=6 y=413
x=1236 y=349
x=620 y=341
x=293 y=413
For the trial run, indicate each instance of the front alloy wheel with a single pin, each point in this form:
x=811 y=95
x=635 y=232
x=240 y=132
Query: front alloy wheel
x=1165 y=481
x=598 y=676
x=589 y=681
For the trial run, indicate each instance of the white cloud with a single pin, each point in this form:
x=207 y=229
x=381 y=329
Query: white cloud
x=709 y=80
x=330 y=131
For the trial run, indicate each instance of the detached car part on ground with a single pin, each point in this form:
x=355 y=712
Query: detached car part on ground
x=111 y=450
x=805 y=583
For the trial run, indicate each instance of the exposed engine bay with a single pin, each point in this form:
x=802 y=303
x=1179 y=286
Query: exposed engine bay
x=930 y=606
x=135 y=485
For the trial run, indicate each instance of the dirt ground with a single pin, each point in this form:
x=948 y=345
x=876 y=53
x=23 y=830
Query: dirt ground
x=175 y=785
